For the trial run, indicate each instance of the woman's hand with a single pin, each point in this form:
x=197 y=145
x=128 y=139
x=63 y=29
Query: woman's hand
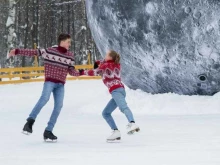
x=12 y=53
x=81 y=72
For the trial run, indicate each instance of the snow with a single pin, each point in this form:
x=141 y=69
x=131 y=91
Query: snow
x=9 y=22
x=175 y=130
x=54 y=46
x=15 y=35
x=83 y=28
x=24 y=26
x=70 y=2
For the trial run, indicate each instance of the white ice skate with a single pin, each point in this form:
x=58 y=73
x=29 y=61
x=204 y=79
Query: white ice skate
x=132 y=128
x=116 y=135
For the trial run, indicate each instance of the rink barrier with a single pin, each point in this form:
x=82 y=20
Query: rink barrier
x=35 y=74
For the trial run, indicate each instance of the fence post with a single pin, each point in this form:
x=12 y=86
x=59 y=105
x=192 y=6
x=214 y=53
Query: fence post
x=35 y=57
x=89 y=58
x=10 y=73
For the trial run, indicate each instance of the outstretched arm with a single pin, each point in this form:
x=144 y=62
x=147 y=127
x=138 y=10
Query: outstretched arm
x=73 y=72
x=25 y=52
x=99 y=68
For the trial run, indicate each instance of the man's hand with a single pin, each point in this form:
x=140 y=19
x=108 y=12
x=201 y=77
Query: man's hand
x=81 y=71
x=12 y=53
x=96 y=64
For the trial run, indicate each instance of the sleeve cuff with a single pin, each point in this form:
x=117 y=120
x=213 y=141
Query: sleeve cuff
x=39 y=52
x=16 y=51
x=72 y=67
x=97 y=62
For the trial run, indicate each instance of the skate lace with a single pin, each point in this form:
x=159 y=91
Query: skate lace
x=51 y=134
x=113 y=132
x=30 y=125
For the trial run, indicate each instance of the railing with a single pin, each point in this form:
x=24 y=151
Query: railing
x=35 y=74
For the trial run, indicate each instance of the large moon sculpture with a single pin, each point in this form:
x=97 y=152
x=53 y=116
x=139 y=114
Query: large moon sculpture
x=165 y=45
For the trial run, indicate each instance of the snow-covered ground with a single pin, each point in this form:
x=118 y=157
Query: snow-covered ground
x=175 y=130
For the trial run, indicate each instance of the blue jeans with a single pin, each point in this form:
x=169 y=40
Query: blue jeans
x=118 y=100
x=58 y=94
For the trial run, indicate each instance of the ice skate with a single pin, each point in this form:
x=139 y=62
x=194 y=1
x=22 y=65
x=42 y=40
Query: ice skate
x=132 y=128
x=116 y=136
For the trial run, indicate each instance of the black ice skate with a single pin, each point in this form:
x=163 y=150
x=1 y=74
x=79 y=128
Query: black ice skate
x=49 y=136
x=27 y=130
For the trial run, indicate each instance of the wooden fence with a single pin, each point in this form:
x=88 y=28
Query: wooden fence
x=35 y=74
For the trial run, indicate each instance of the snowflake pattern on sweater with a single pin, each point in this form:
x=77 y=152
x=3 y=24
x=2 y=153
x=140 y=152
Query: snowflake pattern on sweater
x=58 y=62
x=110 y=72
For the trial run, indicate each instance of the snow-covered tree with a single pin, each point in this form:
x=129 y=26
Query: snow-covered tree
x=25 y=22
x=10 y=25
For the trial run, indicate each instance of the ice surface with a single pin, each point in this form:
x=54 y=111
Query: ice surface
x=175 y=130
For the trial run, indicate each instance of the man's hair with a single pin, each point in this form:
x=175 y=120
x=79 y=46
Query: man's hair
x=63 y=37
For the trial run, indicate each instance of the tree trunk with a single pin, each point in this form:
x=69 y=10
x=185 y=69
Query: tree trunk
x=24 y=63
x=10 y=24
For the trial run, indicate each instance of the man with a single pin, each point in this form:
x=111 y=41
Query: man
x=58 y=62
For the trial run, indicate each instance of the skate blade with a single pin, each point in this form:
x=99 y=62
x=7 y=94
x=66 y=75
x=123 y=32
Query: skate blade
x=26 y=133
x=50 y=141
x=117 y=140
x=133 y=131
